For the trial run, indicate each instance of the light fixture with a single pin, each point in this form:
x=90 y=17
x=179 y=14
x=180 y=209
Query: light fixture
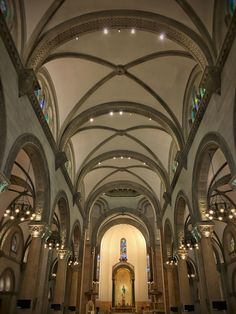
x=21 y=207
x=77 y=38
x=121 y=112
x=119 y=30
x=54 y=241
x=133 y=31
x=129 y=158
x=111 y=113
x=162 y=36
x=219 y=207
x=172 y=260
x=91 y=119
x=105 y=31
x=114 y=158
x=121 y=157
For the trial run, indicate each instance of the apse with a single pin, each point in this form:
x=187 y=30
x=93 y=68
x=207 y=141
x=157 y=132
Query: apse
x=136 y=253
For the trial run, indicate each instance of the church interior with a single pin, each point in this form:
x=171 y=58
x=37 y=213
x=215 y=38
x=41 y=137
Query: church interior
x=117 y=156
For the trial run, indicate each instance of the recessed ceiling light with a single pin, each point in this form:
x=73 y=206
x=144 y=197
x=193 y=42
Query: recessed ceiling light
x=105 y=31
x=91 y=120
x=162 y=36
x=133 y=31
x=121 y=112
x=111 y=113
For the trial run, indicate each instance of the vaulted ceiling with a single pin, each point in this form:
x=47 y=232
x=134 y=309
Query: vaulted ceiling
x=119 y=71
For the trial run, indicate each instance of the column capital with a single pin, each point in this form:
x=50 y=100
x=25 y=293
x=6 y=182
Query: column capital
x=63 y=254
x=182 y=253
x=38 y=229
x=203 y=229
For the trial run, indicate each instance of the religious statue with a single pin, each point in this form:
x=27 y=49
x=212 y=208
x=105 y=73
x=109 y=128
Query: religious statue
x=123 y=295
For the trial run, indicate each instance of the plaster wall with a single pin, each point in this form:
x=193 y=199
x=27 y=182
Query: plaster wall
x=110 y=254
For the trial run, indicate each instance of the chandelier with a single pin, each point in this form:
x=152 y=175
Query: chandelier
x=189 y=242
x=54 y=241
x=220 y=208
x=172 y=260
x=20 y=209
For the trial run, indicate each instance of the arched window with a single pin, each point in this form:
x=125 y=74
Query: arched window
x=196 y=101
x=231 y=244
x=14 y=243
x=148 y=268
x=46 y=104
x=123 y=250
x=7 y=280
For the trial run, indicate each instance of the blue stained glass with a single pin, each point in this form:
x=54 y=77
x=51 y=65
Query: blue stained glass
x=4 y=8
x=42 y=103
x=123 y=249
x=232 y=5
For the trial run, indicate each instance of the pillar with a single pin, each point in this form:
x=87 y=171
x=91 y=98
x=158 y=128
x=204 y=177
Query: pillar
x=208 y=271
x=32 y=275
x=74 y=289
x=59 y=293
x=172 y=289
x=184 y=287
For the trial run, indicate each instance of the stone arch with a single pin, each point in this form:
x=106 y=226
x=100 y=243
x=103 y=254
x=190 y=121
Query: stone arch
x=168 y=239
x=34 y=149
x=3 y=123
x=123 y=184
x=179 y=211
x=61 y=201
x=102 y=226
x=209 y=144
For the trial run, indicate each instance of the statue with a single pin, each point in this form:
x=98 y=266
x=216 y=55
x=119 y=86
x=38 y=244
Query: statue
x=123 y=295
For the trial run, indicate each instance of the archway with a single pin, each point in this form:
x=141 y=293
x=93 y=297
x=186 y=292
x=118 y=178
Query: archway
x=123 y=292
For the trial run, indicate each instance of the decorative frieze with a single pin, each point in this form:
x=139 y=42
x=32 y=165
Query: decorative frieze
x=63 y=254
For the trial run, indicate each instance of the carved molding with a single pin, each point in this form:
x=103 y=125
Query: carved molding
x=63 y=254
x=203 y=230
x=27 y=82
x=60 y=159
x=4 y=182
x=38 y=230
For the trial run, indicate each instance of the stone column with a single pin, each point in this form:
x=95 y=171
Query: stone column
x=74 y=288
x=184 y=287
x=170 y=269
x=32 y=274
x=208 y=271
x=59 y=294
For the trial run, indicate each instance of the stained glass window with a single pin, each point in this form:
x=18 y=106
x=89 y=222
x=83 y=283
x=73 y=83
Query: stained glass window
x=14 y=243
x=45 y=103
x=123 y=250
x=4 y=8
x=98 y=267
x=148 y=267
x=231 y=245
x=232 y=5
x=197 y=97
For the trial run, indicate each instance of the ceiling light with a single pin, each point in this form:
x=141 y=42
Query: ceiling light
x=144 y=163
x=105 y=31
x=114 y=157
x=121 y=112
x=99 y=163
x=133 y=31
x=162 y=36
x=77 y=38
x=91 y=120
x=121 y=157
x=150 y=119
x=111 y=113
x=119 y=30
x=129 y=158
